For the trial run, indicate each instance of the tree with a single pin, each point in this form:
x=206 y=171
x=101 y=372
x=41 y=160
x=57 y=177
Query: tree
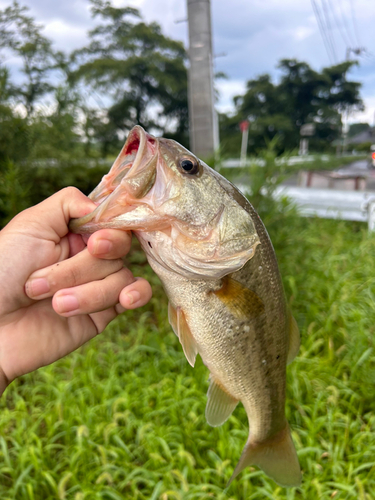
x=142 y=71
x=20 y=34
x=302 y=96
x=13 y=128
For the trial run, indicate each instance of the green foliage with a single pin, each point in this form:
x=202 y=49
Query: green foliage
x=139 y=68
x=139 y=73
x=364 y=146
x=302 y=96
x=124 y=416
x=28 y=184
x=20 y=34
x=14 y=192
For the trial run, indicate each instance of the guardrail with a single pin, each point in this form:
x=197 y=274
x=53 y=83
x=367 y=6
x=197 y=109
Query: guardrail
x=330 y=204
x=289 y=160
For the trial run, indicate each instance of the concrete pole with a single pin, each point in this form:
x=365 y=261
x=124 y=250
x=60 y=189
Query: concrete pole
x=204 y=134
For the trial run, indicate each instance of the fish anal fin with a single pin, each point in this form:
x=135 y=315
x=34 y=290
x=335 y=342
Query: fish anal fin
x=242 y=302
x=220 y=404
x=277 y=457
x=294 y=339
x=177 y=320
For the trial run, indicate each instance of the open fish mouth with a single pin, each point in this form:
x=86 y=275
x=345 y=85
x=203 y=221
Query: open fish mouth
x=131 y=177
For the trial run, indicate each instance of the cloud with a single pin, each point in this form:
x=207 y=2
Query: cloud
x=57 y=31
x=227 y=90
x=255 y=35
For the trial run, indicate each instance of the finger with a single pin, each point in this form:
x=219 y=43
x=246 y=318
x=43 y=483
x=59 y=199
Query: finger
x=92 y=297
x=141 y=286
x=103 y=318
x=50 y=217
x=109 y=243
x=80 y=269
x=136 y=294
x=76 y=244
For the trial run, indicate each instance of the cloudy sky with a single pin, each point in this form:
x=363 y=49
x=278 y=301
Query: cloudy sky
x=249 y=37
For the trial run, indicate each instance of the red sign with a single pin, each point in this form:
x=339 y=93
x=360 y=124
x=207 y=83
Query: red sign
x=244 y=126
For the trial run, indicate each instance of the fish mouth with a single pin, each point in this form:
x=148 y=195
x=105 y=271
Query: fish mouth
x=130 y=178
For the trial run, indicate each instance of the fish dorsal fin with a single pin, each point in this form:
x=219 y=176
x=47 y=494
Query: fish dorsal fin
x=177 y=320
x=220 y=404
x=294 y=339
x=242 y=302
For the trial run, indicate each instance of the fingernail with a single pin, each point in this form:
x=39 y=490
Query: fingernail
x=132 y=297
x=66 y=303
x=36 y=287
x=103 y=246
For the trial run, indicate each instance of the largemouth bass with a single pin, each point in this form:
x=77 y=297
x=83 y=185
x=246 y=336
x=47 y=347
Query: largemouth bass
x=216 y=262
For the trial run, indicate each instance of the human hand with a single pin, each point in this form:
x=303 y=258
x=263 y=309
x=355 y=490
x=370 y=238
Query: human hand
x=56 y=293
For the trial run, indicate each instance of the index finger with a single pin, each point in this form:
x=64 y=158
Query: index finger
x=49 y=219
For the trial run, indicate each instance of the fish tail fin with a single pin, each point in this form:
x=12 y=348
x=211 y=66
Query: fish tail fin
x=276 y=456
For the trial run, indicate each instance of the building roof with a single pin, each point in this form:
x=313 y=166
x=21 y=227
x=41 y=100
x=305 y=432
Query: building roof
x=365 y=136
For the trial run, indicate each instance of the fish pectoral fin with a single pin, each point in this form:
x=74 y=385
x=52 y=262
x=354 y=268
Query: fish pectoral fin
x=294 y=339
x=177 y=320
x=220 y=404
x=276 y=456
x=242 y=302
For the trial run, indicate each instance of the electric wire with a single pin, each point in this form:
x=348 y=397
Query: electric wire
x=339 y=25
x=321 y=29
x=329 y=29
x=354 y=19
x=346 y=25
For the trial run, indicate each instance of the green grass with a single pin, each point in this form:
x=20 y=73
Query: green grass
x=123 y=417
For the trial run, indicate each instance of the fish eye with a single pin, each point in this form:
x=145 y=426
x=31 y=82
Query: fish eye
x=189 y=166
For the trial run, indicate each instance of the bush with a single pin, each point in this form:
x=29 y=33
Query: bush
x=25 y=185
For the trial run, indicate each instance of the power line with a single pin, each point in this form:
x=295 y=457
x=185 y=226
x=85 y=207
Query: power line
x=355 y=23
x=326 y=16
x=329 y=29
x=321 y=29
x=338 y=25
x=345 y=24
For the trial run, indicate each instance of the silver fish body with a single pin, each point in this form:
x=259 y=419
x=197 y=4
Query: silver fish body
x=218 y=267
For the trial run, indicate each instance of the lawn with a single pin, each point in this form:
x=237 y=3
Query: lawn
x=123 y=417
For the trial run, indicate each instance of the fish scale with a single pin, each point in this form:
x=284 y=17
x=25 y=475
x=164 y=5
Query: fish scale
x=217 y=265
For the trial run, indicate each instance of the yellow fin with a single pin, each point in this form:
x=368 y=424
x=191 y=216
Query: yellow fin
x=242 y=302
x=177 y=320
x=277 y=457
x=220 y=404
x=294 y=339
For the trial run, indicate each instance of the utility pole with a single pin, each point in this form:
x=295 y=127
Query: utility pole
x=204 y=135
x=358 y=51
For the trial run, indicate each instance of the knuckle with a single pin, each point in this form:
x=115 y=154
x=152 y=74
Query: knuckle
x=71 y=192
x=117 y=264
x=127 y=275
x=101 y=297
x=73 y=276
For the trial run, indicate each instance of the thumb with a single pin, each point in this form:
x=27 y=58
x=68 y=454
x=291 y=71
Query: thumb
x=51 y=216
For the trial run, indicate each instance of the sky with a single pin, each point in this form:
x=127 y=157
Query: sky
x=249 y=37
